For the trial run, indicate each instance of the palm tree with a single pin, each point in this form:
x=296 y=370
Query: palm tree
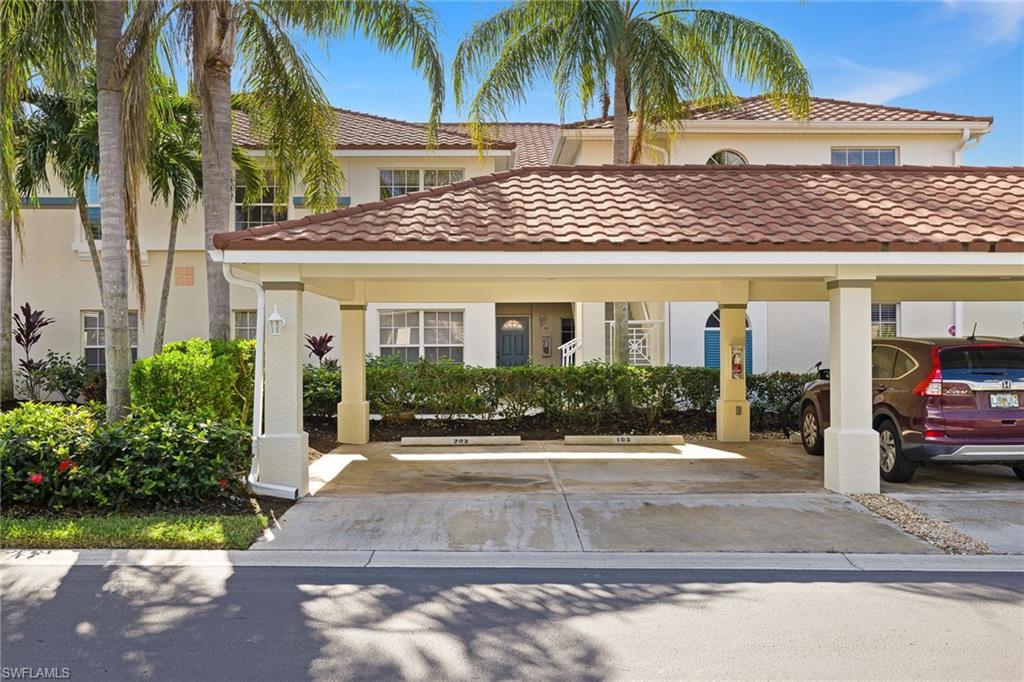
x=23 y=56
x=61 y=131
x=175 y=172
x=124 y=57
x=661 y=57
x=282 y=96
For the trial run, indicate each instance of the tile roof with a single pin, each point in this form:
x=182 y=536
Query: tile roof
x=534 y=141
x=679 y=208
x=356 y=130
x=822 y=109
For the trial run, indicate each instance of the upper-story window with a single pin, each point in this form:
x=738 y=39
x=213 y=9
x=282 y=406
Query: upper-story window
x=726 y=157
x=92 y=201
x=264 y=212
x=863 y=156
x=398 y=181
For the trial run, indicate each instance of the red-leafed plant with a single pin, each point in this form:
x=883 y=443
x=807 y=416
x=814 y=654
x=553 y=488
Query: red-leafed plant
x=319 y=346
x=28 y=329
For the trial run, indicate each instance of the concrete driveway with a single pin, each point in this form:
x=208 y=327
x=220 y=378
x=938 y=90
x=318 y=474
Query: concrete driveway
x=762 y=496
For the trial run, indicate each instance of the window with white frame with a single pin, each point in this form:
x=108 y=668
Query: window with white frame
x=269 y=209
x=245 y=324
x=864 y=156
x=94 y=338
x=884 y=317
x=398 y=181
x=726 y=157
x=92 y=202
x=423 y=334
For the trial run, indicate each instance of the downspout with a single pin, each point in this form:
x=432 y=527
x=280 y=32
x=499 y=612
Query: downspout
x=252 y=479
x=958 y=156
x=966 y=142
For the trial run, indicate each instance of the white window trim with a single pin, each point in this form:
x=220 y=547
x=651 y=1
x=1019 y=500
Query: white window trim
x=421 y=322
x=235 y=204
x=420 y=171
x=95 y=311
x=897 y=315
x=234 y=323
x=847 y=147
x=726 y=150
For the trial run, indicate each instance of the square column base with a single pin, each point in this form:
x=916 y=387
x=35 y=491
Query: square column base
x=851 y=460
x=284 y=460
x=732 y=421
x=354 y=423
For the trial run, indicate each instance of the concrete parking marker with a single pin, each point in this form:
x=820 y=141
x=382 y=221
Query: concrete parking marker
x=625 y=439
x=460 y=440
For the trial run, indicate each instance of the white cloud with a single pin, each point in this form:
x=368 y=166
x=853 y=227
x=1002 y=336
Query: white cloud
x=861 y=83
x=991 y=21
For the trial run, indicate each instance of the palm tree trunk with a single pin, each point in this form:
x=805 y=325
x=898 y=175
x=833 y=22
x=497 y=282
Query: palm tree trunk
x=620 y=156
x=6 y=292
x=165 y=290
x=83 y=215
x=109 y=19
x=620 y=120
x=218 y=56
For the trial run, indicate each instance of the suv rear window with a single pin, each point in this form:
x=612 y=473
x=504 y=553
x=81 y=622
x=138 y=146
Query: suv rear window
x=982 y=363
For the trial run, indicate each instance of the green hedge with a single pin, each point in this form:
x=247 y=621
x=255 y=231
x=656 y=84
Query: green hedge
x=213 y=378
x=66 y=456
x=578 y=397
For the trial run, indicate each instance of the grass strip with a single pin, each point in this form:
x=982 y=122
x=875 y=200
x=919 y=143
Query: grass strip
x=132 y=531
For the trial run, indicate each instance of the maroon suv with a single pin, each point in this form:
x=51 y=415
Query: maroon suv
x=936 y=400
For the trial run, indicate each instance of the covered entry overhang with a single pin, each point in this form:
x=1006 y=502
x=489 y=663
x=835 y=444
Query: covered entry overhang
x=594 y=234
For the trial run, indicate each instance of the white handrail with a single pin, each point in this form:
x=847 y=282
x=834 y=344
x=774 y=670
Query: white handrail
x=569 y=350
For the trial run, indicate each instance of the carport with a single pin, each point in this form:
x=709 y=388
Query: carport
x=731 y=234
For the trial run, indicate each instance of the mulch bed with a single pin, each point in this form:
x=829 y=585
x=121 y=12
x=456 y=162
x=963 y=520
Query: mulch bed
x=322 y=430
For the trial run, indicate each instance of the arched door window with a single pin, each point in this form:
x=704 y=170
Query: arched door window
x=713 y=343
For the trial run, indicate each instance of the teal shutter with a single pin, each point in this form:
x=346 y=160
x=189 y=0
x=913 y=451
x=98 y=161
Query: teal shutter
x=713 y=349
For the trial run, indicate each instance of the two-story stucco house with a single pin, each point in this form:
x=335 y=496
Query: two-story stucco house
x=383 y=158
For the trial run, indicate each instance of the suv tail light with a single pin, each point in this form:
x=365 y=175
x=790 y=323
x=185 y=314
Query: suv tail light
x=931 y=384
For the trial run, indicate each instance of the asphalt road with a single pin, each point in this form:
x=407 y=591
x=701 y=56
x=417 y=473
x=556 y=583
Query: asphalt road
x=274 y=623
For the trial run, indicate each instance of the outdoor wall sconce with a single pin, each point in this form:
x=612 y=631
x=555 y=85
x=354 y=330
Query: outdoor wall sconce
x=276 y=322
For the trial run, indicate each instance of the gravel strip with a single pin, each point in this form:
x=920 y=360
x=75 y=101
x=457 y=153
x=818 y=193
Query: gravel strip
x=937 y=533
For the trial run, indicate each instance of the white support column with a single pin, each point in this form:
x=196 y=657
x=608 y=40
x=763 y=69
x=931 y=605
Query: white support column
x=353 y=410
x=284 y=447
x=732 y=411
x=851 y=444
x=590 y=328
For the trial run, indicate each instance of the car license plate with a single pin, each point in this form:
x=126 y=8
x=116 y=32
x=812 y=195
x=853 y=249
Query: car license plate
x=1004 y=400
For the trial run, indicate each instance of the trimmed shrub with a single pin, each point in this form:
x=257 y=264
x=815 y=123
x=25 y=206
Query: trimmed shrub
x=45 y=454
x=212 y=378
x=577 y=398
x=63 y=456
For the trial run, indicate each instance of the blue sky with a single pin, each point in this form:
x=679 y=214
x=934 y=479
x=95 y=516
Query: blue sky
x=963 y=56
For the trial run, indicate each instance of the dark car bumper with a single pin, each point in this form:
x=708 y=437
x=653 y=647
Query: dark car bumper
x=967 y=453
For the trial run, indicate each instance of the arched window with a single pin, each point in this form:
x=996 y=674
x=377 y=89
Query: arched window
x=726 y=157
x=713 y=343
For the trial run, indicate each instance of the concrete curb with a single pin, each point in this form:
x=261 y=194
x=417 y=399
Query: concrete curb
x=585 y=560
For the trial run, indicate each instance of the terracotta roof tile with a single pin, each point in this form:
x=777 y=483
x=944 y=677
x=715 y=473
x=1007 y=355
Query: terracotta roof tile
x=834 y=110
x=679 y=207
x=356 y=130
x=534 y=141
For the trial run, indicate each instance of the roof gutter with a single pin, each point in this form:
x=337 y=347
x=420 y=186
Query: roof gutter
x=269 y=489
x=968 y=140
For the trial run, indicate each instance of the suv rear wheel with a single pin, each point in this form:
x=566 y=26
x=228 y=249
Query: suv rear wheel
x=1019 y=470
x=894 y=467
x=810 y=431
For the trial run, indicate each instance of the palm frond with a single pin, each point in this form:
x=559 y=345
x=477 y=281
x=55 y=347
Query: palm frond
x=251 y=175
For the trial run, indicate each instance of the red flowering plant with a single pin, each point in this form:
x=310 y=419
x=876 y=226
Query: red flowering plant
x=39 y=444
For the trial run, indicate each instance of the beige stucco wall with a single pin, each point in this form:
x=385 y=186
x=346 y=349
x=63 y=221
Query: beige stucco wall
x=780 y=148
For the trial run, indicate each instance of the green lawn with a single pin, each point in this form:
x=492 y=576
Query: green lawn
x=116 y=531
